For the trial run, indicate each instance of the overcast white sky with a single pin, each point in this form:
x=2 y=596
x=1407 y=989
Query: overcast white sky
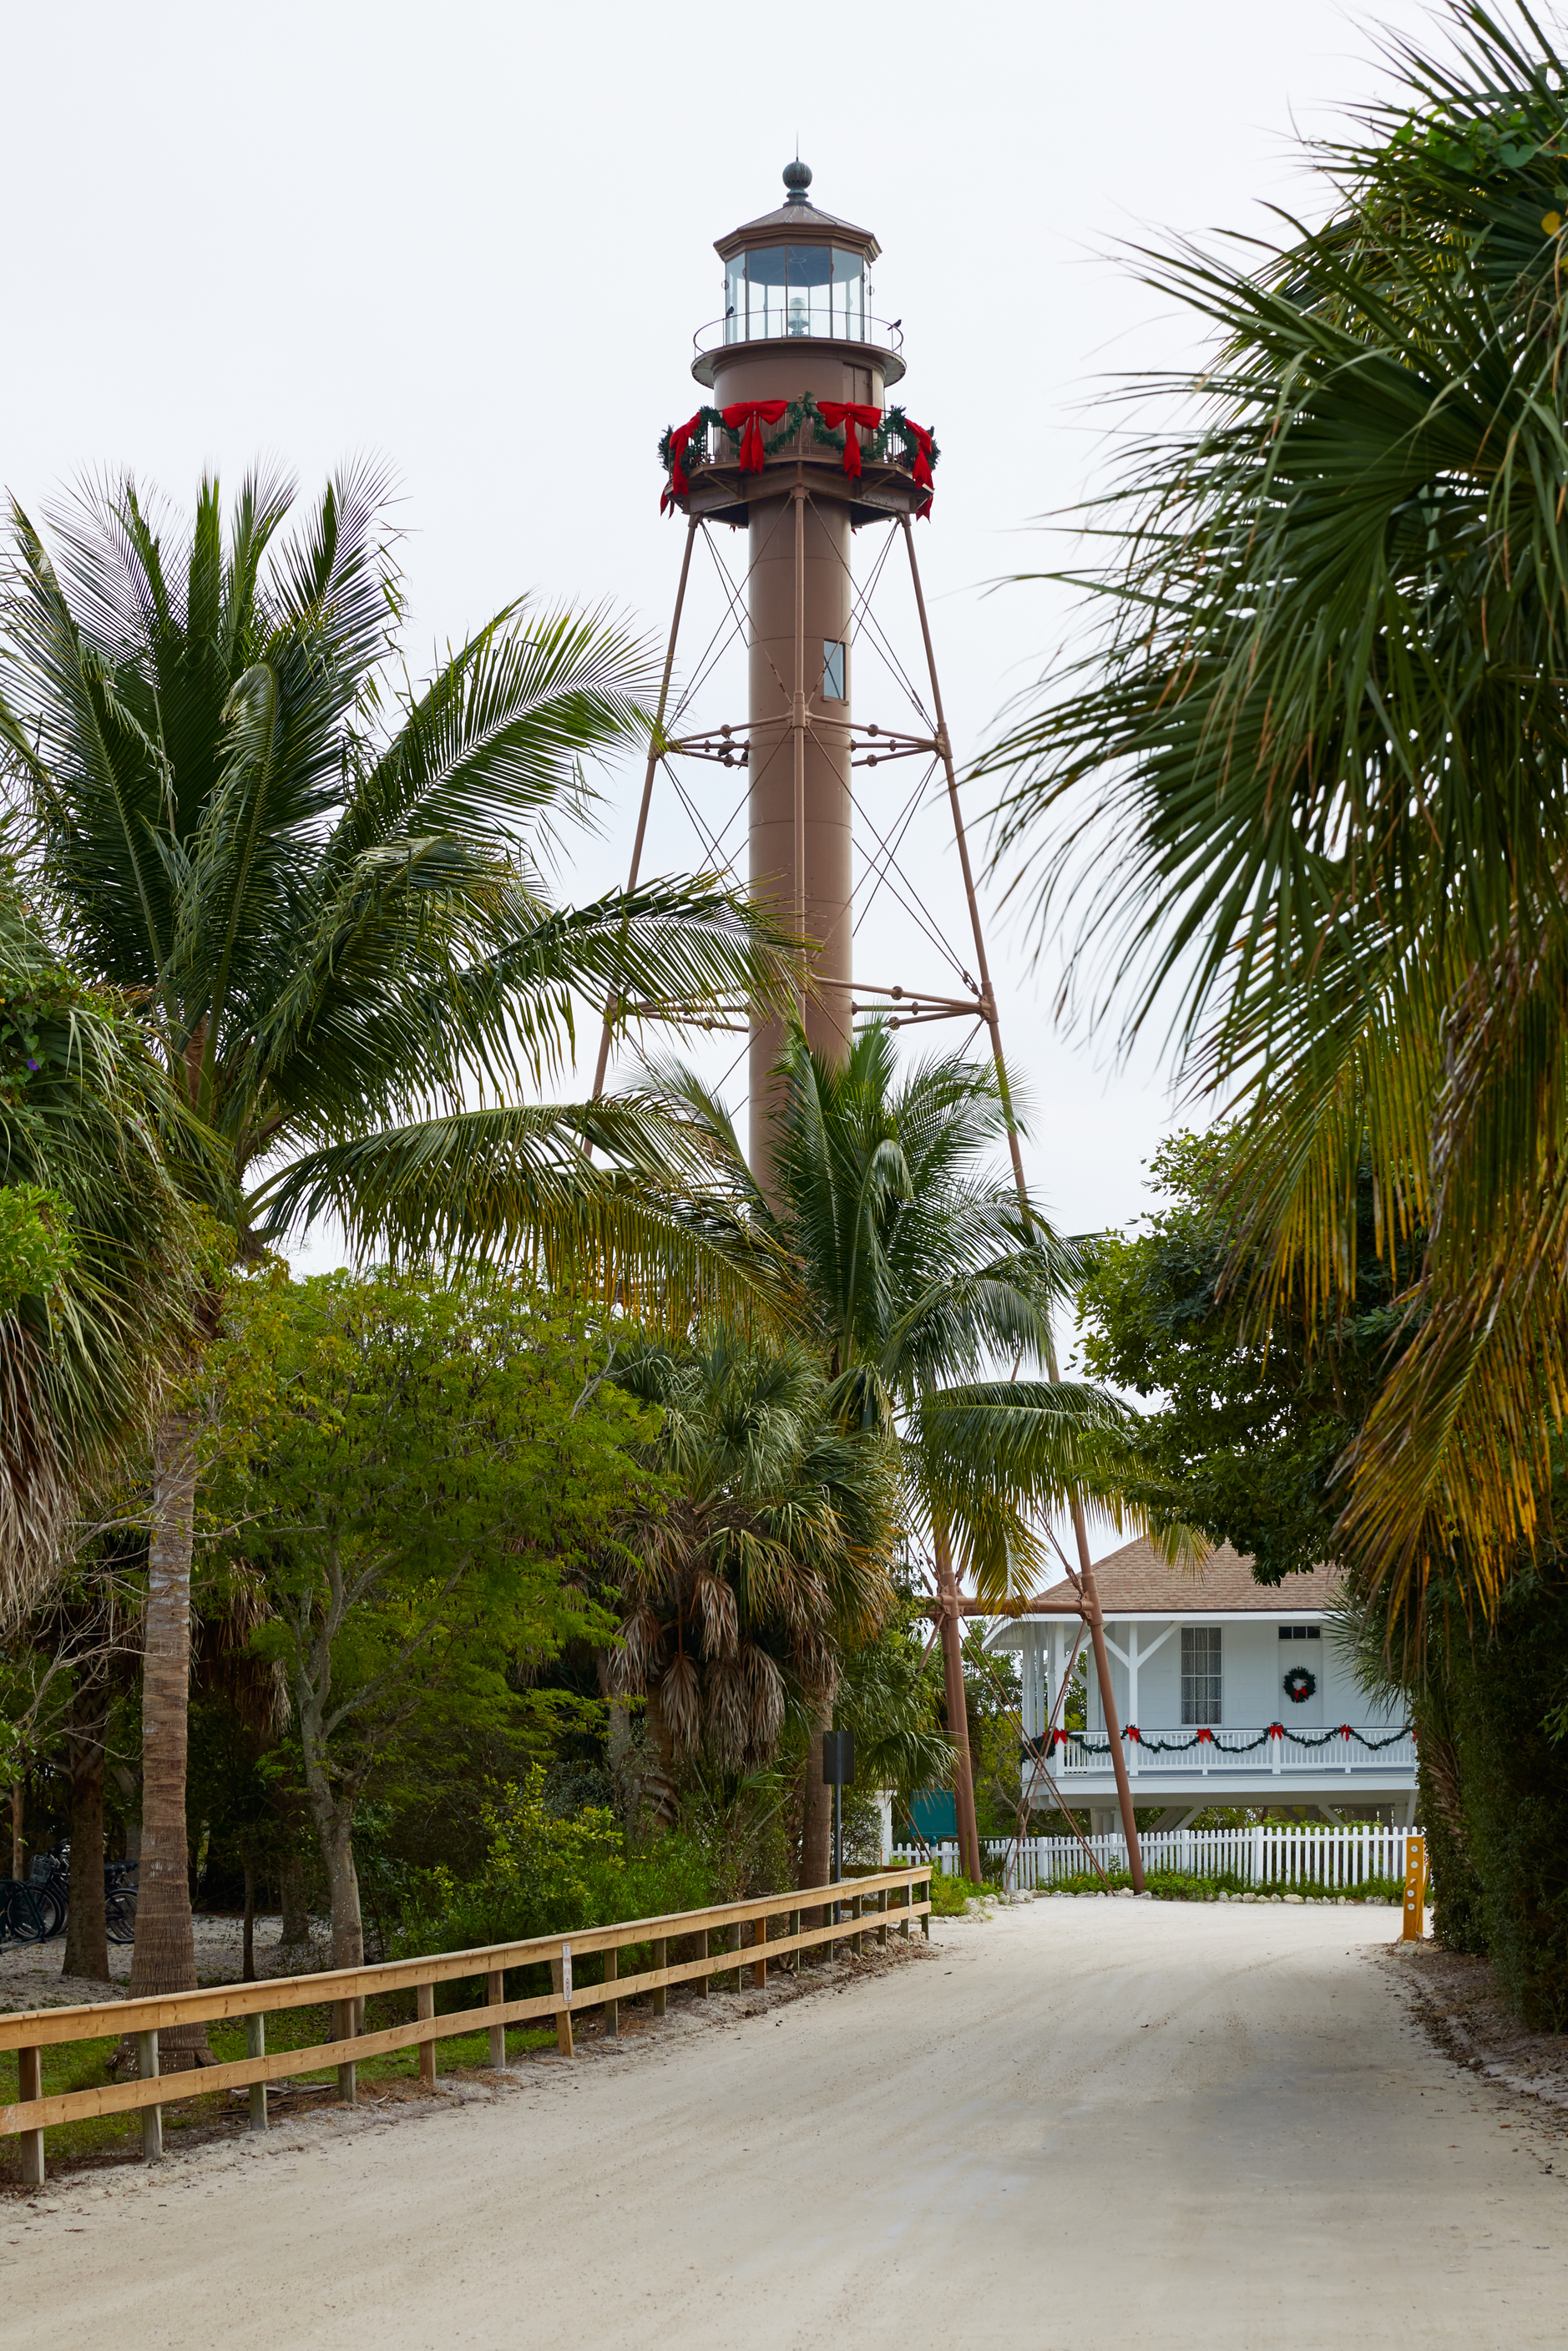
x=475 y=240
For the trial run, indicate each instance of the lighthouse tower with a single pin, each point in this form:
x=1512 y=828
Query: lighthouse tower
x=800 y=355
x=800 y=448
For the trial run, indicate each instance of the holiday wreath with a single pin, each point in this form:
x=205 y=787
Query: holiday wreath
x=1299 y=1685
x=743 y=421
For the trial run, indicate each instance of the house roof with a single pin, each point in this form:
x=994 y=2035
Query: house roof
x=1135 y=1580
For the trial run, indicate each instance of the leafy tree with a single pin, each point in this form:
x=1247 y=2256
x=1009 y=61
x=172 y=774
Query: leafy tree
x=414 y=1470
x=329 y=902
x=1250 y=1422
x=1326 y=724
x=98 y=1252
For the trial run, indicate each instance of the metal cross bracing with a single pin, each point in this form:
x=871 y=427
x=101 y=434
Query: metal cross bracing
x=946 y=988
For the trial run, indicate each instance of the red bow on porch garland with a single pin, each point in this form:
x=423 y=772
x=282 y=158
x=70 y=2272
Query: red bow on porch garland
x=921 y=466
x=1132 y=1731
x=1346 y=1731
x=1276 y=1730
x=849 y=413
x=680 y=434
x=1058 y=1738
x=747 y=417
x=1205 y=1734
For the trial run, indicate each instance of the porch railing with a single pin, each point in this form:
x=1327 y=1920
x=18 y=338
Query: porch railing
x=1275 y=1748
x=1282 y=1854
x=877 y=1903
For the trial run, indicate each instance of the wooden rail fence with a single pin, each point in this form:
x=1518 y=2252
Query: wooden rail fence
x=877 y=1905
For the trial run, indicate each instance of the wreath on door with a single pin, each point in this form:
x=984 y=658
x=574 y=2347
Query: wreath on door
x=1299 y=1685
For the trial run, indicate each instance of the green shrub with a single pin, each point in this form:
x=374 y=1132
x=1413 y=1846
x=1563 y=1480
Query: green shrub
x=549 y=1874
x=949 y=1895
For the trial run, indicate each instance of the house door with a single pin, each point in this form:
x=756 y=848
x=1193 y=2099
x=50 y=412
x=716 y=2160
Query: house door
x=1299 y=1701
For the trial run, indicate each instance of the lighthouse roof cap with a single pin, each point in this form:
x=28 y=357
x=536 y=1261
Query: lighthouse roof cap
x=798 y=218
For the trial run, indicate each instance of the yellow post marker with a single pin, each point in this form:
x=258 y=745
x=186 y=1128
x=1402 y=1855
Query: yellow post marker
x=1415 y=1925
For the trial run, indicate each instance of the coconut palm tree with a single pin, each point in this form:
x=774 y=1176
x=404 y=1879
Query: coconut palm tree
x=1326 y=726
x=328 y=895
x=919 y=1276
x=773 y=1546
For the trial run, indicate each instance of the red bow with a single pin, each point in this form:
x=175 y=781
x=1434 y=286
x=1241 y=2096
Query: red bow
x=1058 y=1738
x=1276 y=1730
x=1346 y=1731
x=680 y=434
x=921 y=465
x=834 y=412
x=1205 y=1734
x=1131 y=1731
x=746 y=418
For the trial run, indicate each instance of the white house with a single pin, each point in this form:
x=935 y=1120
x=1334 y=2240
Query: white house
x=1228 y=1692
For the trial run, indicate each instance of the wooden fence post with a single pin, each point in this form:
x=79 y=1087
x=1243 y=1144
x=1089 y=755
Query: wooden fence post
x=796 y=1956
x=908 y=1893
x=925 y=1921
x=424 y=2008
x=343 y=2029
x=706 y=1980
x=151 y=2116
x=494 y=1993
x=732 y=1943
x=560 y=1978
x=255 y=2046
x=612 y=2007
x=857 y=1910
x=882 y=1916
x=30 y=2085
x=661 y=1992
x=759 y=1945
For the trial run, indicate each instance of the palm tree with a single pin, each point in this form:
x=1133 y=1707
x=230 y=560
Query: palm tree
x=918 y=1275
x=98 y=1252
x=772 y=1547
x=329 y=900
x=1327 y=724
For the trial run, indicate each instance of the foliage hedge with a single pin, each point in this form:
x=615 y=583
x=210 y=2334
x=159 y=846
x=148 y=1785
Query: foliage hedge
x=1505 y=1690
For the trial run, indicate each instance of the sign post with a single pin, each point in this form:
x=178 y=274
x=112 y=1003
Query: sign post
x=839 y=1773
x=1415 y=1925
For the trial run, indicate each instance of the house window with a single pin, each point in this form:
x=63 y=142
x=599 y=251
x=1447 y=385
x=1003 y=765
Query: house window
x=1201 y=1673
x=833 y=670
x=1300 y=1633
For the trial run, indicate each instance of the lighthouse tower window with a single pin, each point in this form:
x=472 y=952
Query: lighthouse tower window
x=832 y=671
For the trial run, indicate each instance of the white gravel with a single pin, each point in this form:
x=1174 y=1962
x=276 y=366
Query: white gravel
x=1068 y=2123
x=30 y=1973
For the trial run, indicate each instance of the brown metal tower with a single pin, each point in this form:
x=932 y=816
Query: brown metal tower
x=799 y=449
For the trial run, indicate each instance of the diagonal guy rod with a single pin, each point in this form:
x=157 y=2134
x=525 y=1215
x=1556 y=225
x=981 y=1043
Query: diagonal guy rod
x=655 y=742
x=988 y=994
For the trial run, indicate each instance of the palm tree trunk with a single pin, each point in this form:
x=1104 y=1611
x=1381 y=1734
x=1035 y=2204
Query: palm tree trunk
x=87 y=1933
x=957 y=1707
x=164 y=1958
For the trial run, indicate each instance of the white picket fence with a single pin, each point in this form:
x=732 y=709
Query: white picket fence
x=1282 y=1854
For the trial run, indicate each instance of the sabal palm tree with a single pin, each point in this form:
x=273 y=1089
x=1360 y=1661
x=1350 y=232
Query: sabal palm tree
x=1318 y=765
x=101 y=1251
x=328 y=895
x=919 y=1277
x=774 y=1543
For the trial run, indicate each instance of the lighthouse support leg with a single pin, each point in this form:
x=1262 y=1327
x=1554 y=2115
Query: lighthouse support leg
x=1087 y=1586
x=655 y=750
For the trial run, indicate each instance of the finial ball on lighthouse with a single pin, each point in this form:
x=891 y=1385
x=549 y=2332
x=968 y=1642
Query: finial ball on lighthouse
x=797 y=179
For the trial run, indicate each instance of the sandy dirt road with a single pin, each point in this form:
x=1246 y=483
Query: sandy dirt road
x=1077 y=2123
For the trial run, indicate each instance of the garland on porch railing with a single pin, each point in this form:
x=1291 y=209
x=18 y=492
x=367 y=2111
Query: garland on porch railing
x=830 y=421
x=1035 y=1751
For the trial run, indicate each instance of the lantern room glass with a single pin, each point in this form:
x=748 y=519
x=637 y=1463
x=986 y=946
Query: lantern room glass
x=775 y=291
